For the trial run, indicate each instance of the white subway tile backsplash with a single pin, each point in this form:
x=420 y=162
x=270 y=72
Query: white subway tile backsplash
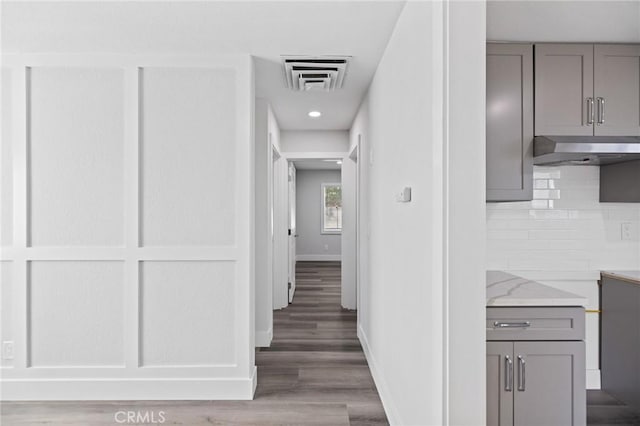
x=540 y=204
x=501 y=234
x=624 y=214
x=546 y=194
x=546 y=173
x=548 y=214
x=540 y=184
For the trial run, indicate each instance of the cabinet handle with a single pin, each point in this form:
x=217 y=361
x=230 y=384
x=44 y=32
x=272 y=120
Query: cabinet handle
x=600 y=110
x=521 y=374
x=521 y=324
x=590 y=113
x=508 y=374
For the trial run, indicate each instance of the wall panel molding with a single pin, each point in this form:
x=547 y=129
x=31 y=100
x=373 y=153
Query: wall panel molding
x=200 y=378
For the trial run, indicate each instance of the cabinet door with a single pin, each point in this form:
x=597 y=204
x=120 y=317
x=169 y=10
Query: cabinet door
x=563 y=89
x=509 y=122
x=621 y=340
x=500 y=383
x=549 y=386
x=617 y=82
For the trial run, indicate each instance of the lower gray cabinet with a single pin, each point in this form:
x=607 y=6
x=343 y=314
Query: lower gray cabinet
x=534 y=383
x=499 y=383
x=620 y=340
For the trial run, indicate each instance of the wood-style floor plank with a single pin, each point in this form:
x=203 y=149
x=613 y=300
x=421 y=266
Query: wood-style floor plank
x=314 y=373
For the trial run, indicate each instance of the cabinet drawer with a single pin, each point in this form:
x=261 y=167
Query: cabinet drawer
x=535 y=323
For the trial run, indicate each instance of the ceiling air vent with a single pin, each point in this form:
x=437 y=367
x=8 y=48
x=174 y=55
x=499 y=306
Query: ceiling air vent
x=315 y=73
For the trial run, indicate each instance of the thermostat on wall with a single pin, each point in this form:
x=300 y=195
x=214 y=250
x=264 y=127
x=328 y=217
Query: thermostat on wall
x=404 y=196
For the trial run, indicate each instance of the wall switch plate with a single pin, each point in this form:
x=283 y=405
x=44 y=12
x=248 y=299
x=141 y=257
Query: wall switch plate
x=7 y=350
x=404 y=196
x=627 y=231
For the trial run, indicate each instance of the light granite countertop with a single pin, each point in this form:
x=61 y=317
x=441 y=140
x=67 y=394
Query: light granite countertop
x=504 y=289
x=632 y=277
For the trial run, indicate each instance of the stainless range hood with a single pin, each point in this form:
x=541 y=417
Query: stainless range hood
x=585 y=150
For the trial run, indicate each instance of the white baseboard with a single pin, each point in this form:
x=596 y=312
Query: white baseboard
x=128 y=389
x=264 y=338
x=593 y=379
x=383 y=389
x=318 y=257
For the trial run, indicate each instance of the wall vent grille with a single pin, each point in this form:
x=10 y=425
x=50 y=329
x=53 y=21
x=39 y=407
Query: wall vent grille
x=304 y=73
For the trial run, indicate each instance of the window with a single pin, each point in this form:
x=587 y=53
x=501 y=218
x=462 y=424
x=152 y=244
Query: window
x=331 y=208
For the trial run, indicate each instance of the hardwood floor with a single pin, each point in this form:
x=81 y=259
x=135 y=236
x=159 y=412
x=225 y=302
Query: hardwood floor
x=604 y=410
x=315 y=356
x=314 y=373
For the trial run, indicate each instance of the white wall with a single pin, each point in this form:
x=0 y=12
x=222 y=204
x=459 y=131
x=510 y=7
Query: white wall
x=130 y=267
x=267 y=138
x=422 y=266
x=280 y=176
x=349 y=235
x=315 y=141
x=312 y=244
x=563 y=21
x=564 y=241
x=564 y=238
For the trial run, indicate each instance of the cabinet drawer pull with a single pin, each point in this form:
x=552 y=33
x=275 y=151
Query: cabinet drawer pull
x=600 y=110
x=508 y=374
x=590 y=113
x=520 y=324
x=522 y=372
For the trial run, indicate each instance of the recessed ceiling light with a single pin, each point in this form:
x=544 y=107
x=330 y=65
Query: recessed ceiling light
x=338 y=162
x=314 y=114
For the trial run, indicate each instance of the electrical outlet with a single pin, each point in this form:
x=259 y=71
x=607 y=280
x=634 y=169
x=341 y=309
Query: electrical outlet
x=326 y=247
x=627 y=231
x=7 y=350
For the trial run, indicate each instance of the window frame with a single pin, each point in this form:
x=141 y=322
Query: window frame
x=324 y=230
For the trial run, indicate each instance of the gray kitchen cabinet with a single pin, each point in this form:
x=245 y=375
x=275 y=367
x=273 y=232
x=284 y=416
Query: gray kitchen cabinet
x=509 y=122
x=531 y=381
x=500 y=383
x=550 y=383
x=620 y=340
x=587 y=90
x=617 y=89
x=564 y=89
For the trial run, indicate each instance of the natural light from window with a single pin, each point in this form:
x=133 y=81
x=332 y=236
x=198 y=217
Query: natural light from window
x=331 y=208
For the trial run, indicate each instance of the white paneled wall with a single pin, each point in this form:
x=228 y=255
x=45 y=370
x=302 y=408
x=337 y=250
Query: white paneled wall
x=76 y=161
x=127 y=227
x=187 y=130
x=564 y=237
x=6 y=158
x=76 y=314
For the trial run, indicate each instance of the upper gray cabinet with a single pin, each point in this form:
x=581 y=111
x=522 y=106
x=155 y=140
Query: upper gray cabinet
x=564 y=89
x=586 y=89
x=617 y=90
x=509 y=122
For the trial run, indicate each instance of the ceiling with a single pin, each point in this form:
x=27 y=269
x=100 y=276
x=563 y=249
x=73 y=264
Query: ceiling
x=265 y=29
x=317 y=165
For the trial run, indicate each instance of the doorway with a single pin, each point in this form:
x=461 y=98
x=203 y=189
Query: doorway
x=320 y=208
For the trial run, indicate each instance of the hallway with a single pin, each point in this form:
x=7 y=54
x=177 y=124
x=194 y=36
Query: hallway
x=315 y=360
x=314 y=373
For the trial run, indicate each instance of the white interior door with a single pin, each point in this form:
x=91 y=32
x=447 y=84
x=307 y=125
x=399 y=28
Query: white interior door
x=292 y=231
